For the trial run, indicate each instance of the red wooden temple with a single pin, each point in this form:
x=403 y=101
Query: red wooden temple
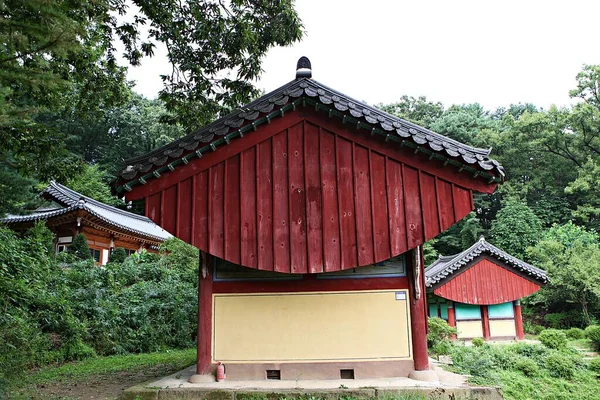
x=479 y=291
x=310 y=209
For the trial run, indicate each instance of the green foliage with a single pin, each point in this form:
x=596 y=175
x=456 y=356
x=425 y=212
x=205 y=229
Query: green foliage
x=594 y=365
x=515 y=228
x=527 y=367
x=478 y=342
x=55 y=314
x=592 y=332
x=575 y=333
x=79 y=247
x=93 y=182
x=571 y=256
x=532 y=329
x=560 y=366
x=417 y=110
x=117 y=256
x=438 y=335
x=553 y=339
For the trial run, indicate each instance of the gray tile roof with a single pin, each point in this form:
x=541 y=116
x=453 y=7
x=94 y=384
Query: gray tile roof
x=71 y=200
x=446 y=266
x=299 y=92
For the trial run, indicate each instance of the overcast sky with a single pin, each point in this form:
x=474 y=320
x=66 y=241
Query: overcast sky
x=491 y=52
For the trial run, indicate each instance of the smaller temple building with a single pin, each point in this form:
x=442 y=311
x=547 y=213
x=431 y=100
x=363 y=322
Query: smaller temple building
x=479 y=291
x=104 y=226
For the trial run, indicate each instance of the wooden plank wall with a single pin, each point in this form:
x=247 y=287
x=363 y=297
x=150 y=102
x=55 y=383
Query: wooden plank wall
x=308 y=200
x=486 y=283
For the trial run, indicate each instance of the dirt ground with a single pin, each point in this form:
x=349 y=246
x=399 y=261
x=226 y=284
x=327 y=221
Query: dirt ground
x=101 y=387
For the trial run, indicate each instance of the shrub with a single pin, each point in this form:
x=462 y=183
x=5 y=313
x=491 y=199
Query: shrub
x=475 y=361
x=442 y=348
x=560 y=366
x=532 y=329
x=575 y=333
x=478 y=342
x=594 y=365
x=553 y=339
x=592 y=332
x=80 y=248
x=438 y=330
x=438 y=336
x=527 y=366
x=117 y=256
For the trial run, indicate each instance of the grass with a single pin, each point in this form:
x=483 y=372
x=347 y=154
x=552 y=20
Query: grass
x=102 y=372
x=582 y=344
x=177 y=359
x=523 y=371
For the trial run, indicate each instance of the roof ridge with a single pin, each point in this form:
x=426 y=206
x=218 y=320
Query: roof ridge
x=447 y=267
x=75 y=197
x=273 y=104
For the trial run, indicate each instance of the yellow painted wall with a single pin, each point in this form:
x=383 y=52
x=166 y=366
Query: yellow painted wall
x=469 y=329
x=308 y=327
x=504 y=327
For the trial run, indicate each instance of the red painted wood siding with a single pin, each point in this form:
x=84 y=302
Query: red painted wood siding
x=486 y=283
x=309 y=199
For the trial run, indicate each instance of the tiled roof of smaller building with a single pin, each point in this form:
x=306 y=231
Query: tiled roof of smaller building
x=446 y=266
x=71 y=200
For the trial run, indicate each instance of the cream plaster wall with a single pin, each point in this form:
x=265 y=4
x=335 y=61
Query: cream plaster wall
x=311 y=327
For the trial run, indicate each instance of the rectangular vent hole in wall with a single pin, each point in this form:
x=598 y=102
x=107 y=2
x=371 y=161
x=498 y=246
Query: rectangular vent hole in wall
x=347 y=373
x=274 y=374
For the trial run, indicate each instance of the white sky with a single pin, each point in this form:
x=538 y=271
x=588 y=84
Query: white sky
x=491 y=52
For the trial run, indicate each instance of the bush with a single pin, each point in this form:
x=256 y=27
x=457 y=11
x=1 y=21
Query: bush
x=553 y=339
x=560 y=366
x=478 y=342
x=592 y=332
x=438 y=336
x=532 y=329
x=79 y=248
x=527 y=366
x=52 y=314
x=438 y=330
x=594 y=365
x=442 y=348
x=117 y=256
x=475 y=361
x=575 y=333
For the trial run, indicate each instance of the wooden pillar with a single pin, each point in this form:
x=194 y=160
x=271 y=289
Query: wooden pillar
x=418 y=309
x=451 y=317
x=486 y=322
x=205 y=282
x=518 y=320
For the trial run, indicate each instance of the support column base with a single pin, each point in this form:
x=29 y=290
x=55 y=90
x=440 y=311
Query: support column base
x=208 y=378
x=427 y=375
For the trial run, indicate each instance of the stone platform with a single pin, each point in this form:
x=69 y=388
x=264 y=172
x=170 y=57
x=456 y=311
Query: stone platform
x=176 y=386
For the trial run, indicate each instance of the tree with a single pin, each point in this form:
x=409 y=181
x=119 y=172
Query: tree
x=516 y=227
x=215 y=47
x=79 y=247
x=94 y=183
x=117 y=256
x=415 y=109
x=571 y=256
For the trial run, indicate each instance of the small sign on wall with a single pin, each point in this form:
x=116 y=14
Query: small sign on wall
x=400 y=295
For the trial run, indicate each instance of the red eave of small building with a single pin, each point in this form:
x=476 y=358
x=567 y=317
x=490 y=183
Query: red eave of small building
x=487 y=281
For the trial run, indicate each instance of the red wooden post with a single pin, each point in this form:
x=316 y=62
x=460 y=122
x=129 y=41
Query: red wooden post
x=519 y=320
x=486 y=322
x=418 y=312
x=203 y=360
x=451 y=317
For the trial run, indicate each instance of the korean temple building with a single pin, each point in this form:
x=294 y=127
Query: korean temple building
x=104 y=226
x=310 y=210
x=479 y=291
